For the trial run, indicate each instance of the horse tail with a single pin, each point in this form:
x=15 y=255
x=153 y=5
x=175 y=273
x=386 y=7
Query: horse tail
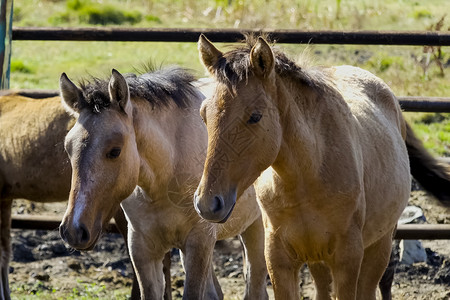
x=431 y=175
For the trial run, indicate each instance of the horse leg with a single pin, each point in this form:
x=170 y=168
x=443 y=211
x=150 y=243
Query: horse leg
x=283 y=271
x=122 y=226
x=5 y=247
x=385 y=284
x=200 y=280
x=322 y=280
x=148 y=266
x=167 y=262
x=345 y=265
x=213 y=278
x=255 y=269
x=376 y=258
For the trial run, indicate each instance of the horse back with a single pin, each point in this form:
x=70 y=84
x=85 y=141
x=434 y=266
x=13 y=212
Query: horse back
x=33 y=163
x=365 y=92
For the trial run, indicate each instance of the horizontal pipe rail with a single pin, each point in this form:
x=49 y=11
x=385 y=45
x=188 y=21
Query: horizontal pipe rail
x=402 y=38
x=423 y=232
x=425 y=104
x=405 y=232
x=41 y=222
x=408 y=103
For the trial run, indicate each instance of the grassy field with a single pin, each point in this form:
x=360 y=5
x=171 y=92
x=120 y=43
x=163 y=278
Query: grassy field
x=39 y=64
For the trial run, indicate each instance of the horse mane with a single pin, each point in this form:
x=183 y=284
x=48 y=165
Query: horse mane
x=234 y=66
x=160 y=87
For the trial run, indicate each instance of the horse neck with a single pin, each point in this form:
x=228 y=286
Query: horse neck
x=171 y=143
x=299 y=154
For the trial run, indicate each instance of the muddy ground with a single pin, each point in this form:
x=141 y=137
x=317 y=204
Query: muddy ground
x=43 y=268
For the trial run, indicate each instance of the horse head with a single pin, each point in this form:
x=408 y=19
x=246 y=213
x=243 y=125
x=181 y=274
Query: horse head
x=103 y=154
x=244 y=131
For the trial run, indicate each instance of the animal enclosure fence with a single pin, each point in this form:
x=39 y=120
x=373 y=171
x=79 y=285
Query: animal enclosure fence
x=416 y=104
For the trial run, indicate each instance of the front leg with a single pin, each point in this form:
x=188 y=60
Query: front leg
x=322 y=280
x=255 y=269
x=283 y=270
x=5 y=247
x=200 y=282
x=122 y=226
x=148 y=265
x=345 y=264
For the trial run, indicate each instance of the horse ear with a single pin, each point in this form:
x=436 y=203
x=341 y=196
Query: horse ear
x=118 y=90
x=71 y=96
x=262 y=59
x=209 y=54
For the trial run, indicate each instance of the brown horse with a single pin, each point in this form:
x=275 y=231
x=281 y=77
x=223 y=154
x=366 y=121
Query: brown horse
x=327 y=149
x=33 y=163
x=139 y=142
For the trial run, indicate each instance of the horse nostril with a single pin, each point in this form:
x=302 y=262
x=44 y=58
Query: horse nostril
x=83 y=233
x=217 y=205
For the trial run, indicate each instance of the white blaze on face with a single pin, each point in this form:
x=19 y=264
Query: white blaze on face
x=79 y=209
x=75 y=143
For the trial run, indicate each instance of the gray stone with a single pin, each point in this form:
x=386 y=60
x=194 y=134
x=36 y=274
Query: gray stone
x=411 y=251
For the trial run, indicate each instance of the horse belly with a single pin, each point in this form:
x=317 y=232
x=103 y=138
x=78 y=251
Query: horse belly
x=36 y=175
x=387 y=185
x=33 y=162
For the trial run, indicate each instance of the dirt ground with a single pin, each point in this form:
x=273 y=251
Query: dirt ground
x=43 y=268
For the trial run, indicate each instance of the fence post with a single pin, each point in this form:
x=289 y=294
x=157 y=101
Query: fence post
x=6 y=16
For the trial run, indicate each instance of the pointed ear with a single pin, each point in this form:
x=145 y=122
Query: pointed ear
x=262 y=59
x=209 y=54
x=71 y=96
x=118 y=90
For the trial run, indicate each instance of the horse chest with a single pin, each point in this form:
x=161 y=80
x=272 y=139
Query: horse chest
x=308 y=235
x=304 y=230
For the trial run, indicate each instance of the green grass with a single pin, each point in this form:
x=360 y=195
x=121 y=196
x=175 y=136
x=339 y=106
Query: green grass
x=19 y=66
x=82 y=291
x=434 y=130
x=38 y=64
x=86 y=11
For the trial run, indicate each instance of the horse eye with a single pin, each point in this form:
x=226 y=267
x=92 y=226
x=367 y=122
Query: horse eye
x=254 y=118
x=114 y=153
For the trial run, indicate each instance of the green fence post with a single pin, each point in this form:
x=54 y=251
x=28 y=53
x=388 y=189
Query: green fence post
x=6 y=16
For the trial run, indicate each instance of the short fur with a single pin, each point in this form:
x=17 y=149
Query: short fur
x=329 y=157
x=157 y=158
x=33 y=163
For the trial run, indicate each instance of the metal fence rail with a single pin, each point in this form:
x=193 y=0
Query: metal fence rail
x=424 y=104
x=410 y=38
x=405 y=232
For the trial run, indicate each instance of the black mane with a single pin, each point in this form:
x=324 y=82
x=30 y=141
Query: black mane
x=234 y=66
x=159 y=87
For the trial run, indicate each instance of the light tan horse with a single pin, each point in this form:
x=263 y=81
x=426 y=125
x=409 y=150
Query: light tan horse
x=33 y=163
x=326 y=147
x=139 y=142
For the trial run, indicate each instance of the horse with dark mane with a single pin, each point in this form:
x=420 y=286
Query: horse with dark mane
x=33 y=163
x=139 y=143
x=330 y=153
